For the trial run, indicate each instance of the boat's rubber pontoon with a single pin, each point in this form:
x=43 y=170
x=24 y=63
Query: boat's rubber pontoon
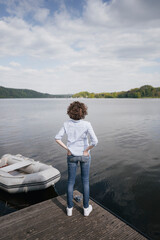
x=21 y=174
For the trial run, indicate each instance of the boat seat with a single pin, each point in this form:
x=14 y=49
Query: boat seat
x=16 y=166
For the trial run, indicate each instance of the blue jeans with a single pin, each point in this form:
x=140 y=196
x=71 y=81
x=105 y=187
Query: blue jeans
x=72 y=167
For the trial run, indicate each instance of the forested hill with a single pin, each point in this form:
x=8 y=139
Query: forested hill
x=142 y=92
x=25 y=93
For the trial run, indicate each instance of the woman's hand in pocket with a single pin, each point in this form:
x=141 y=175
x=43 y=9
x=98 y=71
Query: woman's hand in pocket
x=68 y=152
x=86 y=153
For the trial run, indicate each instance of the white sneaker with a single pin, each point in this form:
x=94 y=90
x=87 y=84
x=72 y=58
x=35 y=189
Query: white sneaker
x=69 y=211
x=87 y=211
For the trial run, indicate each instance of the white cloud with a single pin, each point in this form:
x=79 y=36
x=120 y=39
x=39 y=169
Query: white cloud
x=96 y=12
x=107 y=48
x=4 y=69
x=20 y=8
x=41 y=14
x=15 y=64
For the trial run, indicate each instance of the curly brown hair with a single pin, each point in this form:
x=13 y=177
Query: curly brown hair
x=77 y=110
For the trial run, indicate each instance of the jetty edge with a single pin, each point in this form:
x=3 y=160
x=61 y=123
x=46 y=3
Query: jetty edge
x=48 y=220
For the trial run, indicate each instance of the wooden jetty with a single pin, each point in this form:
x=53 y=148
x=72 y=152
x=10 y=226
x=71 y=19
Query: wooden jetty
x=48 y=220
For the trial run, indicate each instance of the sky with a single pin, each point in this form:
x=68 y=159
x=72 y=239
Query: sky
x=68 y=46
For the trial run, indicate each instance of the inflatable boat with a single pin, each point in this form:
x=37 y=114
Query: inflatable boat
x=21 y=174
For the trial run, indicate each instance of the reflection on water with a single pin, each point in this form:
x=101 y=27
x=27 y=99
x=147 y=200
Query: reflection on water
x=13 y=202
x=125 y=167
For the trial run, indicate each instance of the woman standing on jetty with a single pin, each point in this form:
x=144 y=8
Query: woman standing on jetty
x=78 y=150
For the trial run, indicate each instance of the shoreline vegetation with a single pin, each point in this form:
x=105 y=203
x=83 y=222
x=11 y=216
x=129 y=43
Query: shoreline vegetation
x=27 y=93
x=145 y=91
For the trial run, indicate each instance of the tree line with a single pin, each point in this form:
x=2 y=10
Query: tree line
x=142 y=92
x=26 y=93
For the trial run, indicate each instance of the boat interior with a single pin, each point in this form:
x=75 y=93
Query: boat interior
x=16 y=166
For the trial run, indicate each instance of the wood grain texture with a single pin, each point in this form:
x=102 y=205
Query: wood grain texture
x=48 y=220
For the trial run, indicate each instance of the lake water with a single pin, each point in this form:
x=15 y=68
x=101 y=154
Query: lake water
x=125 y=168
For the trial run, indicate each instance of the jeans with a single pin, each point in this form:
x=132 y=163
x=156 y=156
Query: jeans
x=72 y=167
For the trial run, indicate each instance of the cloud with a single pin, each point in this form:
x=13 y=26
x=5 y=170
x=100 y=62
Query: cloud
x=23 y=7
x=4 y=69
x=96 y=12
x=15 y=64
x=41 y=14
x=105 y=48
x=135 y=11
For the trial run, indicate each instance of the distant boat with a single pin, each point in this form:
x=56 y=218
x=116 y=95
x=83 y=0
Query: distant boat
x=21 y=174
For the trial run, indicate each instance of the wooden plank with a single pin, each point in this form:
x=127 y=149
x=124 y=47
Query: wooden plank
x=16 y=166
x=48 y=220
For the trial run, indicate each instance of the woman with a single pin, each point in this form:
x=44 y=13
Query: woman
x=78 y=150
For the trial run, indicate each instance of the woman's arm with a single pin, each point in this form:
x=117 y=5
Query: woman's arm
x=63 y=145
x=86 y=153
x=92 y=135
x=93 y=138
x=58 y=138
